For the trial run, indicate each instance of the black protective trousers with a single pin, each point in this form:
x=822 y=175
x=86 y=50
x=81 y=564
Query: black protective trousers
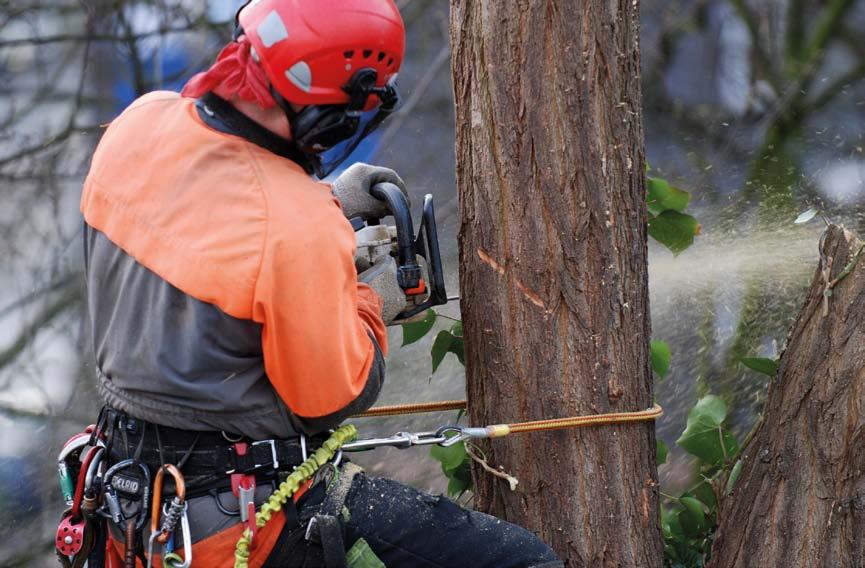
x=407 y=528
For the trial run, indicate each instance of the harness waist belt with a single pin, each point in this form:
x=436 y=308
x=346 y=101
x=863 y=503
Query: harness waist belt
x=265 y=455
x=205 y=453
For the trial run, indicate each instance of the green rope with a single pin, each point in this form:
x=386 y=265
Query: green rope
x=289 y=487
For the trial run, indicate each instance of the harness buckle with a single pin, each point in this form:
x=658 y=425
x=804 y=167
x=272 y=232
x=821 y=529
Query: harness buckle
x=273 y=453
x=243 y=487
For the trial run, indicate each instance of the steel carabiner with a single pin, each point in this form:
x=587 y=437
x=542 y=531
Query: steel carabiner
x=400 y=440
x=463 y=433
x=172 y=512
x=175 y=508
x=173 y=560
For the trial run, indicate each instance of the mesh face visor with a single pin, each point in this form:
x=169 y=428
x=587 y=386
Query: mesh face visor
x=341 y=129
x=327 y=161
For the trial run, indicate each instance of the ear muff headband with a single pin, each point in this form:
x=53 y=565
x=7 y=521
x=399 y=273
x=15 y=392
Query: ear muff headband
x=318 y=128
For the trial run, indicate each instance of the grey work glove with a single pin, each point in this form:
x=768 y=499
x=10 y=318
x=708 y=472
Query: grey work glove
x=352 y=189
x=381 y=277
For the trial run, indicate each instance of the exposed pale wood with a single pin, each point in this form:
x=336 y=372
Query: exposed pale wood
x=550 y=170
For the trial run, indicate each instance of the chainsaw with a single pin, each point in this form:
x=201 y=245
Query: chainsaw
x=419 y=265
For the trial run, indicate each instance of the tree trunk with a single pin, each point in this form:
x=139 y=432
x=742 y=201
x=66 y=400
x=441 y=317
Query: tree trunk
x=799 y=499
x=550 y=171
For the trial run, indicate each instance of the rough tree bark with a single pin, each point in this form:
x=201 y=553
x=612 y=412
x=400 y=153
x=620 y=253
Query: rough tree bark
x=550 y=170
x=800 y=498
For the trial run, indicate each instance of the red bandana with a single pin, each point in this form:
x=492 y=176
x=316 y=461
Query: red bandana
x=235 y=72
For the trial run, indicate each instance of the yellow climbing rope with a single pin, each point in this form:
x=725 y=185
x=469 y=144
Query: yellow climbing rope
x=287 y=488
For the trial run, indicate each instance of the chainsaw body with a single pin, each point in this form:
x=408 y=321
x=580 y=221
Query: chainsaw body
x=419 y=267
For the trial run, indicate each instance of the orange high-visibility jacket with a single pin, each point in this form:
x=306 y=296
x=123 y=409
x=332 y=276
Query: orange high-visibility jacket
x=221 y=281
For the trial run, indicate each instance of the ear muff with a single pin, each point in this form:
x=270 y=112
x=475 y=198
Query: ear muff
x=318 y=128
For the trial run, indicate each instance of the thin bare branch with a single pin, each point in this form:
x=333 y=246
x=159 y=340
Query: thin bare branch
x=419 y=91
x=68 y=298
x=195 y=26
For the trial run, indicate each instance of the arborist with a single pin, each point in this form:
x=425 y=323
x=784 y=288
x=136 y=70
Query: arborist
x=231 y=328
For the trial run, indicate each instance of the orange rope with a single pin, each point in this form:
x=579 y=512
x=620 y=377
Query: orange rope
x=590 y=420
x=415 y=408
x=535 y=425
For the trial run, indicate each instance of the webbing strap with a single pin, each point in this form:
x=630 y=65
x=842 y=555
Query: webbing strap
x=287 y=488
x=329 y=532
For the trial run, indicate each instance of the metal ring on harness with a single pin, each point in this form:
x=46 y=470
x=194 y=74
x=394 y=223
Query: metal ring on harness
x=230 y=439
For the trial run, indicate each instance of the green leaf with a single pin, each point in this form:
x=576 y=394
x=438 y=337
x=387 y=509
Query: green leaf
x=734 y=476
x=412 y=332
x=664 y=197
x=451 y=457
x=806 y=216
x=458 y=349
x=704 y=432
x=670 y=522
x=441 y=347
x=704 y=492
x=457 y=486
x=665 y=523
x=692 y=517
x=456 y=465
x=448 y=342
x=661 y=452
x=660 y=352
x=674 y=230
x=457 y=329
x=768 y=367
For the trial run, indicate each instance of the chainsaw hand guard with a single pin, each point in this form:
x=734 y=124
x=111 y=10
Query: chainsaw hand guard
x=401 y=242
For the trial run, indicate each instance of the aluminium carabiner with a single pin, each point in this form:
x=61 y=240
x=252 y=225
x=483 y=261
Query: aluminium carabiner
x=175 y=508
x=173 y=560
x=171 y=512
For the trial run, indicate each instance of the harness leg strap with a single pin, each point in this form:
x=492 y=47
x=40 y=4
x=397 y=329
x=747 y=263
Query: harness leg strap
x=328 y=530
x=326 y=526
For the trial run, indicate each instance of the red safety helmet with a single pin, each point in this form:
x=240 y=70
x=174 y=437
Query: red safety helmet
x=311 y=49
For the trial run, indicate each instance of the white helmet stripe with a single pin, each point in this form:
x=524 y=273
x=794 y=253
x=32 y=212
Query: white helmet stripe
x=272 y=29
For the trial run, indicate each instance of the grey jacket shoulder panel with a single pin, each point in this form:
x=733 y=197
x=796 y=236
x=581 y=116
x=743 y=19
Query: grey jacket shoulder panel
x=166 y=357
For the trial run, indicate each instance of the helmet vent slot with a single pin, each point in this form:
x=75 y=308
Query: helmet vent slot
x=348 y=54
x=367 y=53
x=390 y=62
x=381 y=56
